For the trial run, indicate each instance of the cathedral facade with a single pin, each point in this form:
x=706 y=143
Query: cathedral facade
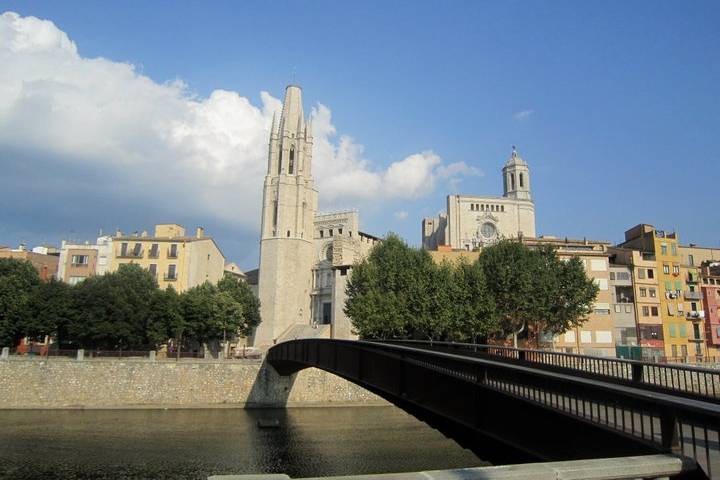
x=305 y=257
x=472 y=221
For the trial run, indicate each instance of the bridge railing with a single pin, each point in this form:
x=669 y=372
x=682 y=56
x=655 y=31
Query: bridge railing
x=694 y=382
x=444 y=383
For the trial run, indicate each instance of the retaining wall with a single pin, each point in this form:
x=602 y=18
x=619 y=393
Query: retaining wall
x=114 y=383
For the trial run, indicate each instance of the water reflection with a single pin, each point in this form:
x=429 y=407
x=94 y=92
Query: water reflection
x=192 y=444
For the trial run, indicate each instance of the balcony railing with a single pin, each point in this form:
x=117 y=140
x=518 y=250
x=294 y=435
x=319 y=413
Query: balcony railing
x=695 y=314
x=692 y=295
x=131 y=254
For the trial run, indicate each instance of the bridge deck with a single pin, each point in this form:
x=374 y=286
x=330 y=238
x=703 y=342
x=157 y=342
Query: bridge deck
x=510 y=410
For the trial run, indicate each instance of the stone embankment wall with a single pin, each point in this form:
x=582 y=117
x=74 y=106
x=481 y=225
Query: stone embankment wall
x=115 y=383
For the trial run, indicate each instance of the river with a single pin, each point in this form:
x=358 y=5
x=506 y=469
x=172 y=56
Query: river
x=195 y=443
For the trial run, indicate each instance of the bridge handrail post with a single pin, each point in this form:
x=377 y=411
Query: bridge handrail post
x=637 y=372
x=670 y=437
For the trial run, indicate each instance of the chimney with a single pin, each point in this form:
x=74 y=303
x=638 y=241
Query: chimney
x=199 y=232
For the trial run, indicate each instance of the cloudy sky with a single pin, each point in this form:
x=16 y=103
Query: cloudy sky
x=141 y=113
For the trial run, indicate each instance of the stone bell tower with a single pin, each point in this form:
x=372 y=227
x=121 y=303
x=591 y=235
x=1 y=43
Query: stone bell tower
x=516 y=178
x=288 y=212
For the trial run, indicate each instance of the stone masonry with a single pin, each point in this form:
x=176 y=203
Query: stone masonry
x=112 y=383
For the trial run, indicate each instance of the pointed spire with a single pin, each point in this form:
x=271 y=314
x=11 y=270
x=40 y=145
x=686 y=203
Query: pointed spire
x=308 y=129
x=273 y=127
x=292 y=114
x=300 y=127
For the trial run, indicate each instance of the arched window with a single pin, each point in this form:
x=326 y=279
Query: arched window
x=482 y=207
x=502 y=208
x=291 y=165
x=521 y=180
x=512 y=181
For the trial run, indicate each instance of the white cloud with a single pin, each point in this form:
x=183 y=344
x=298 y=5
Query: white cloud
x=523 y=114
x=159 y=145
x=401 y=215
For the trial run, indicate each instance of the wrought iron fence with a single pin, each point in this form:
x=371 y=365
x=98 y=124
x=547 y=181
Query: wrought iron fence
x=691 y=381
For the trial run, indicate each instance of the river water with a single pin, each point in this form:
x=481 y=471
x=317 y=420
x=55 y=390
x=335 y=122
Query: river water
x=195 y=443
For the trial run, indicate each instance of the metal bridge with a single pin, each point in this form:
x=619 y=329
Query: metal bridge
x=515 y=405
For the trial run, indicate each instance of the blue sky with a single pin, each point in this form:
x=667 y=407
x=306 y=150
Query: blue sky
x=621 y=105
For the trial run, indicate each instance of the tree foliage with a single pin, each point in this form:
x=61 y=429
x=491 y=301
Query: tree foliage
x=121 y=310
x=399 y=292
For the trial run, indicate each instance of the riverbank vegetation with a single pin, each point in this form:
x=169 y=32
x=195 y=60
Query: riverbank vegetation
x=120 y=310
x=400 y=292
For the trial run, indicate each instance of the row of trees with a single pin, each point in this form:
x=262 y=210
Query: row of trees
x=399 y=292
x=121 y=310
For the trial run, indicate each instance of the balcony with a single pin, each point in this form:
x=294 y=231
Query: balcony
x=695 y=315
x=132 y=254
x=692 y=278
x=692 y=295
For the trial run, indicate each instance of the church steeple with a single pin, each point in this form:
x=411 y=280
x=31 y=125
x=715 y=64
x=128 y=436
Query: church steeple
x=287 y=225
x=516 y=177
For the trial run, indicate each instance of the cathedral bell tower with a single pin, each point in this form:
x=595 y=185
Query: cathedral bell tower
x=516 y=178
x=287 y=224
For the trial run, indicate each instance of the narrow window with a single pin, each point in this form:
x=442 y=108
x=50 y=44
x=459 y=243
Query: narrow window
x=280 y=161
x=691 y=260
x=322 y=233
x=521 y=181
x=502 y=208
x=172 y=273
x=291 y=165
x=153 y=269
x=512 y=182
x=482 y=207
x=123 y=249
x=331 y=232
x=288 y=233
x=339 y=231
x=173 y=251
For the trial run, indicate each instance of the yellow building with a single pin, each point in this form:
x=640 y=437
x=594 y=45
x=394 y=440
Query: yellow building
x=171 y=256
x=680 y=311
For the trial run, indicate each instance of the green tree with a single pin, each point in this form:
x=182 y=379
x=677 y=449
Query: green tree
x=509 y=268
x=18 y=278
x=211 y=314
x=51 y=310
x=474 y=314
x=113 y=309
x=165 y=317
x=380 y=289
x=240 y=291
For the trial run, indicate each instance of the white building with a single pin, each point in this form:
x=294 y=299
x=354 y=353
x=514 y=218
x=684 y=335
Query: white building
x=305 y=257
x=473 y=221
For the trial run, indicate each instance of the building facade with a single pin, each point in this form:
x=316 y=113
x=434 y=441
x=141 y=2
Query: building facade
x=45 y=264
x=680 y=308
x=473 y=221
x=171 y=256
x=81 y=261
x=305 y=257
x=710 y=289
